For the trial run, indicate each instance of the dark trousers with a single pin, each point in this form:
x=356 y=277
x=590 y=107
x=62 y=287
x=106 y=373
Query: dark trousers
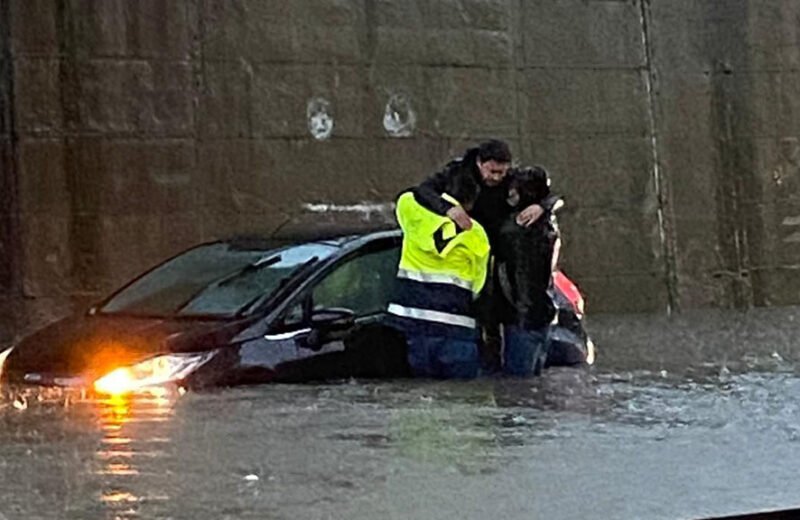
x=433 y=352
x=524 y=351
x=488 y=311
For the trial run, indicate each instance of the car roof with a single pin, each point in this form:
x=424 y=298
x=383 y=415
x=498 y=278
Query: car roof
x=355 y=241
x=346 y=241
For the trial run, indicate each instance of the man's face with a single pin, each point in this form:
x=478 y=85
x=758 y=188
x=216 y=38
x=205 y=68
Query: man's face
x=492 y=172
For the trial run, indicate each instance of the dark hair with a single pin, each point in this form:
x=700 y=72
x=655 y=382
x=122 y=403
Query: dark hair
x=465 y=188
x=532 y=184
x=494 y=150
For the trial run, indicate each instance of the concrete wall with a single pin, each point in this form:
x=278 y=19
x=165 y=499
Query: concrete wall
x=728 y=107
x=9 y=234
x=137 y=128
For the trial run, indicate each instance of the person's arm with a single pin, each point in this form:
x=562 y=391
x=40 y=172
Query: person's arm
x=429 y=195
x=533 y=212
x=553 y=203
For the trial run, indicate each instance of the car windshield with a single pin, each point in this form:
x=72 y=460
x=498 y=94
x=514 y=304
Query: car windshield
x=213 y=280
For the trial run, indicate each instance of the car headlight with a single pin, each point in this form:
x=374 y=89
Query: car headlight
x=152 y=372
x=3 y=355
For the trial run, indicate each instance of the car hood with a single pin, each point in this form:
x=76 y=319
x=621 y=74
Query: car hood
x=89 y=346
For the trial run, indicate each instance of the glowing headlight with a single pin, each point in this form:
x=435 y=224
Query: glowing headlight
x=3 y=355
x=152 y=372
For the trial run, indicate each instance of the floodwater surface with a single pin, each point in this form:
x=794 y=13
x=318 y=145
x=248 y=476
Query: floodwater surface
x=675 y=438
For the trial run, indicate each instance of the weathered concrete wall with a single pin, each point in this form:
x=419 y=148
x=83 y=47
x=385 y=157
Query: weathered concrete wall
x=9 y=234
x=728 y=106
x=143 y=127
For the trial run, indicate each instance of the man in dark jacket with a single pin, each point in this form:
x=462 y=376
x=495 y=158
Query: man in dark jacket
x=524 y=257
x=488 y=163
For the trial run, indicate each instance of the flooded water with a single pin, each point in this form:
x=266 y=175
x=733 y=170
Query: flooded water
x=689 y=432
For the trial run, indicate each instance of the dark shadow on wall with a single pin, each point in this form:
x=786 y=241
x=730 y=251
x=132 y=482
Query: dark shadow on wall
x=738 y=189
x=81 y=160
x=9 y=218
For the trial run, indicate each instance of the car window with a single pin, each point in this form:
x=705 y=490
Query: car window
x=216 y=279
x=363 y=284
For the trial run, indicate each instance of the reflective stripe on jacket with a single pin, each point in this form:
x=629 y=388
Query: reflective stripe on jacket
x=441 y=266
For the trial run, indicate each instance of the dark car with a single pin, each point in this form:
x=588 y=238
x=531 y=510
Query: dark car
x=232 y=312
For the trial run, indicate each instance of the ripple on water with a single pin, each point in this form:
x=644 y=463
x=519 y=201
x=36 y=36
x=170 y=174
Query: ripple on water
x=338 y=449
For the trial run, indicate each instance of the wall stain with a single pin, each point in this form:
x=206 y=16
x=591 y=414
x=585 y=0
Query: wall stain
x=738 y=187
x=666 y=228
x=10 y=248
x=80 y=166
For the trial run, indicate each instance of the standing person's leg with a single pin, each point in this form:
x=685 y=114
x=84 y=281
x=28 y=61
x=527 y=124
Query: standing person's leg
x=421 y=355
x=540 y=357
x=457 y=357
x=524 y=351
x=490 y=341
x=421 y=347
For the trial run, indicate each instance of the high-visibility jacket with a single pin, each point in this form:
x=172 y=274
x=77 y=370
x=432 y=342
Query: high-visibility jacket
x=441 y=266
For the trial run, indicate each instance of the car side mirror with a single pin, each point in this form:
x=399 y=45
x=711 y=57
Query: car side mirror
x=328 y=324
x=332 y=319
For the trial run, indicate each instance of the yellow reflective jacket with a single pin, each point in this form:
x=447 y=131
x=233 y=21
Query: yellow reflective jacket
x=434 y=245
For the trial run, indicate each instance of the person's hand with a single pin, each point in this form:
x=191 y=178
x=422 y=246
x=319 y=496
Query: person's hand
x=460 y=217
x=530 y=215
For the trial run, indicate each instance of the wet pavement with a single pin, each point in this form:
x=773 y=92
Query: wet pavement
x=686 y=417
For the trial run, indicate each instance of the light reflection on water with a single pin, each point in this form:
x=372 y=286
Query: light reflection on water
x=574 y=443
x=121 y=449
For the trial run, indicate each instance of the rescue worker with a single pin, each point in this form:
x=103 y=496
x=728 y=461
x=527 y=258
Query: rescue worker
x=487 y=163
x=525 y=261
x=442 y=269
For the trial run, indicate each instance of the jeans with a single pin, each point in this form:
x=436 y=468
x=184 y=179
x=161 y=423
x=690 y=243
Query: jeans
x=524 y=351
x=442 y=357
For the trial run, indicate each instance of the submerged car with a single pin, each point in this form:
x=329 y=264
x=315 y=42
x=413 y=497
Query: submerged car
x=239 y=312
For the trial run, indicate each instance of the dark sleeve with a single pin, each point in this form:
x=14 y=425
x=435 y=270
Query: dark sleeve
x=531 y=266
x=551 y=203
x=429 y=193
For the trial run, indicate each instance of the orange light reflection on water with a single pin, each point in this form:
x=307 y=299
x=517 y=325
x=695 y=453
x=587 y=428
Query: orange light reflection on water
x=117 y=409
x=115 y=412
x=123 y=419
x=118 y=496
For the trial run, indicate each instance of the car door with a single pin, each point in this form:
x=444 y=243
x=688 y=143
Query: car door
x=335 y=312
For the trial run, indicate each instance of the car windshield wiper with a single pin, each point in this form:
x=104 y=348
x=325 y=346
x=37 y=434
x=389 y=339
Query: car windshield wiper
x=259 y=264
x=293 y=274
x=227 y=279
